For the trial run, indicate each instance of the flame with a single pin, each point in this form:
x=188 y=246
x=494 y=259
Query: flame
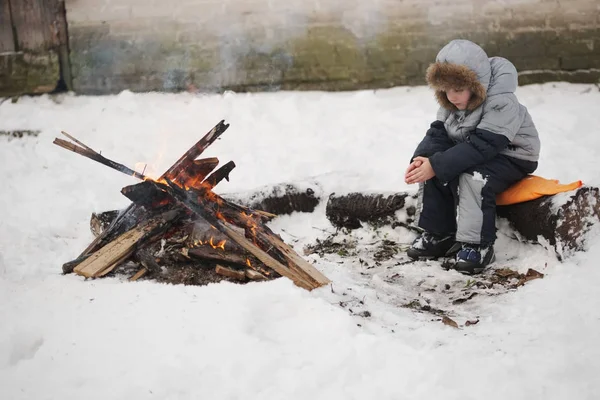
x=210 y=242
x=251 y=222
x=258 y=269
x=220 y=245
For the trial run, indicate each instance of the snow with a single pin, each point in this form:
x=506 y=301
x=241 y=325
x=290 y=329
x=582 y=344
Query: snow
x=66 y=338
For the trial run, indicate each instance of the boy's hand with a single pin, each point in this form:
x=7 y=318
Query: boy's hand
x=411 y=167
x=418 y=171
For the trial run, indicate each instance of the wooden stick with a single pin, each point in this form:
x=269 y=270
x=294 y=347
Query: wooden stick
x=138 y=274
x=78 y=142
x=93 y=155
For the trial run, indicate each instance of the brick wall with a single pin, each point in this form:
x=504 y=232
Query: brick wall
x=214 y=45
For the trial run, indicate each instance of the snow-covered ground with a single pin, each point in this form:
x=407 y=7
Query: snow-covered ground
x=66 y=338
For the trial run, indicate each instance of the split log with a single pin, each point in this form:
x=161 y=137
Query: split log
x=563 y=220
x=195 y=173
x=208 y=253
x=113 y=254
x=255 y=275
x=230 y=273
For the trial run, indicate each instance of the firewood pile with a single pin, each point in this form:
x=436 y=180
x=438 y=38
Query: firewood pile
x=177 y=229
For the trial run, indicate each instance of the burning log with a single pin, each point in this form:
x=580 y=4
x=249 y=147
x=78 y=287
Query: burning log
x=184 y=195
x=210 y=253
x=130 y=216
x=110 y=256
x=269 y=249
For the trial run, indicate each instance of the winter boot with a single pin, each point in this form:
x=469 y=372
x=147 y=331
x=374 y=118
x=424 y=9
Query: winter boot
x=473 y=258
x=429 y=246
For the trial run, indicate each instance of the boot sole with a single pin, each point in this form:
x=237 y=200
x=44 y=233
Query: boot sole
x=477 y=270
x=450 y=253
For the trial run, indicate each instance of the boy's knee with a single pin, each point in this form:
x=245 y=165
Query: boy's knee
x=471 y=183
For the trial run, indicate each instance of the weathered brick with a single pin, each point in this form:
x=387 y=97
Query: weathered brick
x=22 y=73
x=572 y=62
x=536 y=63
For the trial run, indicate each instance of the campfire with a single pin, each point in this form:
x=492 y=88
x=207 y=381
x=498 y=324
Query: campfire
x=178 y=221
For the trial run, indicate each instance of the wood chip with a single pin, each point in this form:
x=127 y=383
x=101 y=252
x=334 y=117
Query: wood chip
x=450 y=322
x=533 y=274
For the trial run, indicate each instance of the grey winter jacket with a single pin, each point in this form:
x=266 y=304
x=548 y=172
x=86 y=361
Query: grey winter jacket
x=494 y=122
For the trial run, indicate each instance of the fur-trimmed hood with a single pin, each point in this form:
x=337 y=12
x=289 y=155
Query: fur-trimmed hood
x=463 y=64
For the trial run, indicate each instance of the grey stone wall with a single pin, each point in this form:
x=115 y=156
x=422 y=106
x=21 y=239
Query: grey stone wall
x=213 y=45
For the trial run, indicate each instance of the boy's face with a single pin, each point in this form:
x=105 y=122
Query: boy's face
x=459 y=97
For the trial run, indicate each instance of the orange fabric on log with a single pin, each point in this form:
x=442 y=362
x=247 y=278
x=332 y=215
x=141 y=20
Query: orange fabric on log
x=533 y=187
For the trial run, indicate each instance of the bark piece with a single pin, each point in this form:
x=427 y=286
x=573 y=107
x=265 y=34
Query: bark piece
x=100 y=221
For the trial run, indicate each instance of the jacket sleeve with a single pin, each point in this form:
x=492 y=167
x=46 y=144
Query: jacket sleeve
x=479 y=147
x=498 y=126
x=436 y=140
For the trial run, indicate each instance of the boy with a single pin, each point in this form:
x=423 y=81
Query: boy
x=482 y=142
